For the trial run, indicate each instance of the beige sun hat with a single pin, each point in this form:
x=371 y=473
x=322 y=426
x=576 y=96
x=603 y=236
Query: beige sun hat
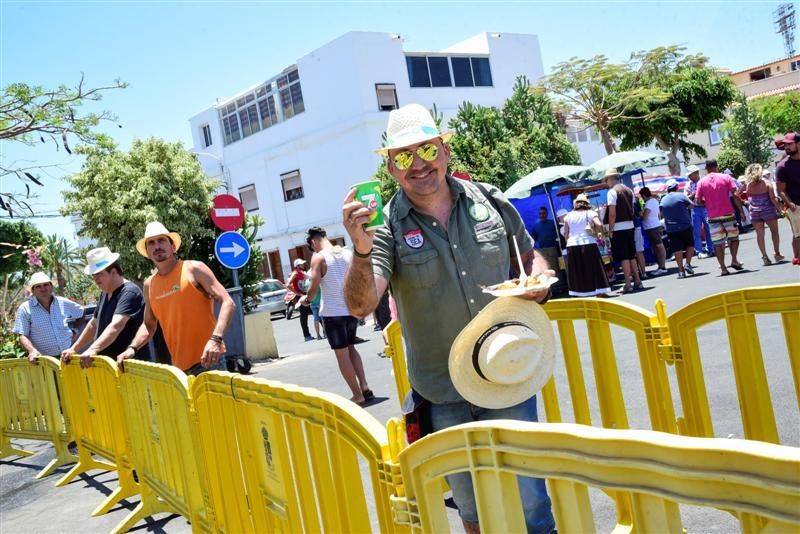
x=505 y=355
x=99 y=259
x=610 y=173
x=154 y=229
x=581 y=198
x=409 y=125
x=38 y=278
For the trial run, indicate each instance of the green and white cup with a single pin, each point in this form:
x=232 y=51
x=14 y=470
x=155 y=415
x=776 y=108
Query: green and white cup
x=369 y=194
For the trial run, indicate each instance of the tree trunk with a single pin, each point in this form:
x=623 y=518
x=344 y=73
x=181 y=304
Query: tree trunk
x=608 y=141
x=673 y=162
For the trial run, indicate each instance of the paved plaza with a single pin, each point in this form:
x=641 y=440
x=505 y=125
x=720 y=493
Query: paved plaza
x=28 y=505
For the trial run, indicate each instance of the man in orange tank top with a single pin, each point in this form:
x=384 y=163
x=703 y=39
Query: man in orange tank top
x=180 y=297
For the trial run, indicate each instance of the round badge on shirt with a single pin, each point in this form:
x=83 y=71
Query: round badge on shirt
x=479 y=212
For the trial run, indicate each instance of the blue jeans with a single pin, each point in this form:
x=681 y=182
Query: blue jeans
x=700 y=217
x=535 y=502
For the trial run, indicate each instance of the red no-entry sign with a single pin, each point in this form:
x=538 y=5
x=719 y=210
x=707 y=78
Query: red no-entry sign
x=227 y=212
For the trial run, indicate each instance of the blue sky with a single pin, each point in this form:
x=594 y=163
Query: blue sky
x=179 y=56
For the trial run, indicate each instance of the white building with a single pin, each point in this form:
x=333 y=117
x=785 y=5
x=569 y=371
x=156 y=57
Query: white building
x=291 y=145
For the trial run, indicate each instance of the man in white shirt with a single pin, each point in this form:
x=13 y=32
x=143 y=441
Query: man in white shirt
x=651 y=225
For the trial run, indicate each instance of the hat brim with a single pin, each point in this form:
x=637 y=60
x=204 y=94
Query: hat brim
x=481 y=392
x=444 y=136
x=141 y=247
x=94 y=269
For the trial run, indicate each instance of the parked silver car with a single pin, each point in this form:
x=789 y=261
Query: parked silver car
x=270 y=297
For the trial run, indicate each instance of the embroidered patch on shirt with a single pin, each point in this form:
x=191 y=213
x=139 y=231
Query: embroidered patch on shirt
x=481 y=225
x=479 y=212
x=414 y=239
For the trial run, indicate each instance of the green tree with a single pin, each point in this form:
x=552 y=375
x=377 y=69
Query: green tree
x=117 y=193
x=15 y=239
x=598 y=93
x=61 y=261
x=697 y=97
x=746 y=141
x=778 y=114
x=35 y=115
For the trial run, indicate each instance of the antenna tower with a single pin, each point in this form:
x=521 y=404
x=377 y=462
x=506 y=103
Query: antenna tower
x=785 y=25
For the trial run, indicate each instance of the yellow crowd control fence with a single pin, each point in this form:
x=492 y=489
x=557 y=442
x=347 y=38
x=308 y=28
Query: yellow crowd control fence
x=165 y=446
x=395 y=350
x=94 y=404
x=30 y=409
x=283 y=458
x=758 y=480
x=738 y=309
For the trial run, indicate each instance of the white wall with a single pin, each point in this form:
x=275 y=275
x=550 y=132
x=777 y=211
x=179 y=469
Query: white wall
x=332 y=143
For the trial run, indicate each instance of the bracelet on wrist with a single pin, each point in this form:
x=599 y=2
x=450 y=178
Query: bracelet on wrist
x=358 y=254
x=216 y=338
x=546 y=298
x=134 y=347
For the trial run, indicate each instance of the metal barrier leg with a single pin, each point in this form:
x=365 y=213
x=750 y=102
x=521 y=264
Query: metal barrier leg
x=7 y=449
x=86 y=462
x=149 y=505
x=127 y=487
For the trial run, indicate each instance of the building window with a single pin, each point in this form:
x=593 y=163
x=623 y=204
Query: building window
x=794 y=65
x=439 y=68
x=247 y=195
x=291 y=94
x=462 y=72
x=292 y=186
x=418 y=75
x=760 y=74
x=257 y=111
x=715 y=135
x=387 y=96
x=583 y=135
x=206 y=130
x=481 y=71
x=434 y=71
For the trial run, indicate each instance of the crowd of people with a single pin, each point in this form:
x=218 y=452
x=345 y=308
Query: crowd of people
x=703 y=220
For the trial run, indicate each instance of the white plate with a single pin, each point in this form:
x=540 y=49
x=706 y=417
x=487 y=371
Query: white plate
x=517 y=291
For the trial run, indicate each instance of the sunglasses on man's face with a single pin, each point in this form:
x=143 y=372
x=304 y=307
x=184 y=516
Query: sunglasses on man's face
x=426 y=152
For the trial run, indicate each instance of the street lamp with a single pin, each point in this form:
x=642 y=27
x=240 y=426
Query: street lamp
x=223 y=172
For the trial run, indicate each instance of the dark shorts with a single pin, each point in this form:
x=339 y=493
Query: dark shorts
x=654 y=235
x=681 y=239
x=341 y=331
x=623 y=245
x=383 y=313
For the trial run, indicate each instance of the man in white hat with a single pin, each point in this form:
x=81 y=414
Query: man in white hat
x=699 y=215
x=117 y=316
x=298 y=283
x=620 y=201
x=41 y=321
x=180 y=297
x=442 y=240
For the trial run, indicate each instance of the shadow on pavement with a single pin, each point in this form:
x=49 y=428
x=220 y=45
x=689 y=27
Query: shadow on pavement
x=156 y=525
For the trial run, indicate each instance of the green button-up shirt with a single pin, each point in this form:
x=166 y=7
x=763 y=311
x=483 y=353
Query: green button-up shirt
x=436 y=274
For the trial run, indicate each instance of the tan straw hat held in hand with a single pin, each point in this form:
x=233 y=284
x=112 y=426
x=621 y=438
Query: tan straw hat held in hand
x=505 y=355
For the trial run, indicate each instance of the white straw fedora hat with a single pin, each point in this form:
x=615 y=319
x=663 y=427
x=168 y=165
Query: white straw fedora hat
x=154 y=229
x=38 y=278
x=98 y=259
x=409 y=125
x=505 y=355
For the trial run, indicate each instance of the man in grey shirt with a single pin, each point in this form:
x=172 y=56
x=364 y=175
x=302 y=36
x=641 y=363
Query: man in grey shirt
x=441 y=241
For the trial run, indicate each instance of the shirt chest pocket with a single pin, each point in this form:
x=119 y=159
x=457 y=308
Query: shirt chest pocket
x=421 y=269
x=493 y=245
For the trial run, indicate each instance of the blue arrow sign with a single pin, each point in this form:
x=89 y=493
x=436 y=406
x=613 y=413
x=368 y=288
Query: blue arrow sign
x=232 y=250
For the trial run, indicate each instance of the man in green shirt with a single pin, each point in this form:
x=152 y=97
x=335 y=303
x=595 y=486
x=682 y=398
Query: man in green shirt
x=441 y=241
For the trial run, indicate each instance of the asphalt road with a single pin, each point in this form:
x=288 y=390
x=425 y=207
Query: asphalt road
x=27 y=505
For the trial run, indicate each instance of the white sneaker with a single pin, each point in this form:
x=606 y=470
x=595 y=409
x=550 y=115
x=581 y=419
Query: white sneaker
x=659 y=272
x=703 y=256
x=689 y=269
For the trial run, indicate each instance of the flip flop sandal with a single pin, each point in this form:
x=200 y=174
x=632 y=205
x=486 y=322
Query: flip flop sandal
x=368 y=395
x=724 y=273
x=737 y=266
x=626 y=290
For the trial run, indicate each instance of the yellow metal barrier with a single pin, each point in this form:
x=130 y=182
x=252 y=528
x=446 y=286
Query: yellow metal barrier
x=395 y=351
x=30 y=409
x=282 y=458
x=164 y=445
x=94 y=405
x=758 y=480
